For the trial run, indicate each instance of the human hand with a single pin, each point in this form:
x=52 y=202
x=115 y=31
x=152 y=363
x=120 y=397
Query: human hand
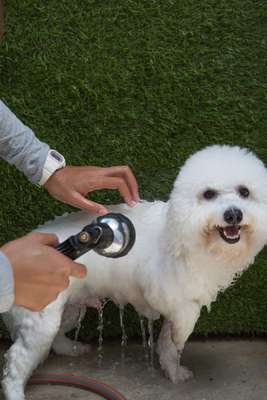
x=40 y=271
x=71 y=184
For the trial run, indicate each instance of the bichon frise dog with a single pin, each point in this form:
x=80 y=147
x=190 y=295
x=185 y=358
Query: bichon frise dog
x=187 y=250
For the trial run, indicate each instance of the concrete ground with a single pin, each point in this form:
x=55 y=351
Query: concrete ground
x=224 y=370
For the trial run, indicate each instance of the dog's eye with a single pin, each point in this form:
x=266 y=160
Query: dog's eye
x=243 y=191
x=210 y=194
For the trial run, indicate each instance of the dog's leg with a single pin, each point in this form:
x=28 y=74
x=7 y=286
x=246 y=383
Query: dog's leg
x=171 y=342
x=169 y=357
x=62 y=344
x=34 y=333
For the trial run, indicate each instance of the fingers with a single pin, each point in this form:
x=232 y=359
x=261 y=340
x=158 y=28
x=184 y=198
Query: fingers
x=121 y=185
x=118 y=183
x=71 y=184
x=62 y=276
x=44 y=238
x=78 y=270
x=65 y=267
x=117 y=177
x=126 y=173
x=87 y=205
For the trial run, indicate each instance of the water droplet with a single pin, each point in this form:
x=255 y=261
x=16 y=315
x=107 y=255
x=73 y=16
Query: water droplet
x=151 y=341
x=144 y=340
x=100 y=329
x=124 y=337
x=79 y=322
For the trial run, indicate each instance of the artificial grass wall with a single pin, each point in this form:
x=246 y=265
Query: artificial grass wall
x=144 y=83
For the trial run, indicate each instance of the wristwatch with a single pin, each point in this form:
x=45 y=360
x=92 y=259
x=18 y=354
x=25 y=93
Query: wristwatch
x=53 y=162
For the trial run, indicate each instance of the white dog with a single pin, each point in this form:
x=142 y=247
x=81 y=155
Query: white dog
x=187 y=250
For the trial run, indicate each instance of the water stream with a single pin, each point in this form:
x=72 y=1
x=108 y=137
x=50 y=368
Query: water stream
x=144 y=339
x=100 y=329
x=151 y=343
x=79 y=322
x=146 y=326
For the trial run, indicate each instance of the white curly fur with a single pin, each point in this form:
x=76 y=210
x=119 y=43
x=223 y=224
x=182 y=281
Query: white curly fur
x=179 y=263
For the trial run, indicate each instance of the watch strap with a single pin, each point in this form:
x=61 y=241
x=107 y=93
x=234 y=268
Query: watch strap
x=53 y=162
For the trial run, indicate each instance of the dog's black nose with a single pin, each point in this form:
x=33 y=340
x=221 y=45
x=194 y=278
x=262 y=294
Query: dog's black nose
x=233 y=216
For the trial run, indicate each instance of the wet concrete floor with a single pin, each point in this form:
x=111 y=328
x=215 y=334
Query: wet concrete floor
x=223 y=370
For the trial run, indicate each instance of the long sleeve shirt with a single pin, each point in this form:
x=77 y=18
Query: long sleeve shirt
x=18 y=146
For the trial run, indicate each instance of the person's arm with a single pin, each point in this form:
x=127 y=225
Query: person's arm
x=20 y=146
x=6 y=284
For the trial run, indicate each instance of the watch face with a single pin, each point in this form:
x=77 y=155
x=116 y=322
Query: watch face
x=56 y=156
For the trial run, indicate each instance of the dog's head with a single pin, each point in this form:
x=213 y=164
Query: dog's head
x=219 y=204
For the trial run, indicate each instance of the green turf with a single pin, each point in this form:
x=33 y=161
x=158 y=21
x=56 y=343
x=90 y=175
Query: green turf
x=143 y=83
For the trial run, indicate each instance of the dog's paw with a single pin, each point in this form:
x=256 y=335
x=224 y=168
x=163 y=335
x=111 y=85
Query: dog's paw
x=178 y=374
x=66 y=347
x=183 y=374
x=78 y=349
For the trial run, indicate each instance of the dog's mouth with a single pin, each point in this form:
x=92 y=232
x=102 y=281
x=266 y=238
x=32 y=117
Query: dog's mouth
x=229 y=233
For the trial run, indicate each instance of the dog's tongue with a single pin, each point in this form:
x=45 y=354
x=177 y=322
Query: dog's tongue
x=231 y=230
